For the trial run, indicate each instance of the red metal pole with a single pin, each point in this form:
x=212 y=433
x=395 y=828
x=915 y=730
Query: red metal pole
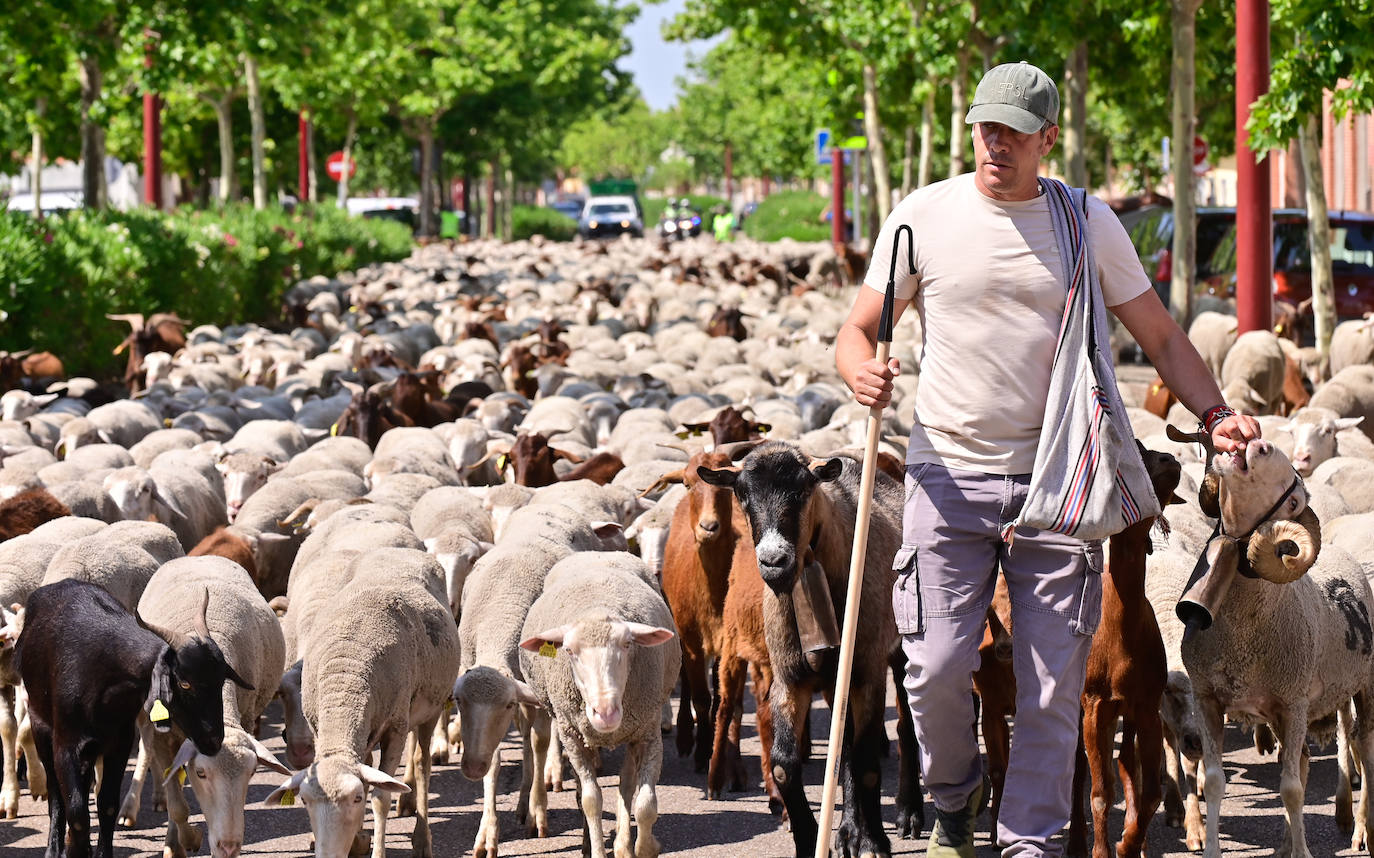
x=152 y=138
x=730 y=175
x=303 y=149
x=1254 y=222
x=837 y=196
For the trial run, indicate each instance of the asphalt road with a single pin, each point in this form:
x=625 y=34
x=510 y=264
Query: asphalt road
x=688 y=825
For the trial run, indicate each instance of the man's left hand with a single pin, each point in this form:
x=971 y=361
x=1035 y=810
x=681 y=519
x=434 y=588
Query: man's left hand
x=1234 y=433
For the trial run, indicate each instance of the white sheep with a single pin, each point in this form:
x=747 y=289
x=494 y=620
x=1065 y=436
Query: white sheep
x=179 y=497
x=1349 y=393
x=592 y=654
x=1254 y=646
x=1352 y=478
x=121 y=558
x=246 y=631
x=377 y=668
x=1314 y=433
x=1352 y=343
x=1257 y=360
x=336 y=453
x=156 y=443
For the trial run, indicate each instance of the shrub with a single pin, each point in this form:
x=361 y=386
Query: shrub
x=536 y=220
x=59 y=277
x=789 y=214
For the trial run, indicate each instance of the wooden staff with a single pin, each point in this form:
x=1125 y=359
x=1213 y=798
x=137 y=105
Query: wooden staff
x=839 y=710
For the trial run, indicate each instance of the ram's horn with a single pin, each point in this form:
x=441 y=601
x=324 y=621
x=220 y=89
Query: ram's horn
x=203 y=630
x=1282 y=551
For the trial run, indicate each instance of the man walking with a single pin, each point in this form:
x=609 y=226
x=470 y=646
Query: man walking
x=990 y=290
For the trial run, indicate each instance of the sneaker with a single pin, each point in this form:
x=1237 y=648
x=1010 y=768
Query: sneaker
x=952 y=835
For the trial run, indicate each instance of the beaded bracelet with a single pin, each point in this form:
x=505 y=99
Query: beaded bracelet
x=1215 y=415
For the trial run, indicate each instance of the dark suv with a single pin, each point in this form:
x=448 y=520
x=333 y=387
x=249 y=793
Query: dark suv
x=1352 y=261
x=1151 y=229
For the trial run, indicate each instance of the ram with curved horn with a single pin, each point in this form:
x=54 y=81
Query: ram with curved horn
x=1279 y=628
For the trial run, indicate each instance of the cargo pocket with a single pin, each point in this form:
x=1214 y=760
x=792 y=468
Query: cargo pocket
x=1089 y=612
x=906 y=593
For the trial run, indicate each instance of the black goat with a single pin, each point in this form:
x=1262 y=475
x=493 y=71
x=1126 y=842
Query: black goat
x=89 y=666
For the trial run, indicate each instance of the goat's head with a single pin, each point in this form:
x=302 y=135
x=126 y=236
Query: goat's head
x=188 y=679
x=776 y=487
x=727 y=426
x=1266 y=528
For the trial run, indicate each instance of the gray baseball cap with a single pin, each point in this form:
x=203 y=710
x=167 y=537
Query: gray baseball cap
x=1017 y=95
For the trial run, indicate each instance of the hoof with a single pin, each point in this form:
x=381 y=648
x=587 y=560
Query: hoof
x=405 y=804
x=909 y=825
x=776 y=807
x=127 y=821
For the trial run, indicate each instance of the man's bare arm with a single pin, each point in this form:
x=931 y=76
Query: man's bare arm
x=856 y=343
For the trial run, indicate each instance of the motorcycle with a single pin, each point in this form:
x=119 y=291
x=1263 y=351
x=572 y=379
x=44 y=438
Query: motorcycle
x=676 y=226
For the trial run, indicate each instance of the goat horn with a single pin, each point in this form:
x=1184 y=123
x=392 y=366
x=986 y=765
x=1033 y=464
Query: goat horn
x=135 y=320
x=739 y=449
x=203 y=630
x=21 y=353
x=673 y=445
x=173 y=638
x=1282 y=551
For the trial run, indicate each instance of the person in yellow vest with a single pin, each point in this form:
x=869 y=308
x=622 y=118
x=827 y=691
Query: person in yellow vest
x=723 y=223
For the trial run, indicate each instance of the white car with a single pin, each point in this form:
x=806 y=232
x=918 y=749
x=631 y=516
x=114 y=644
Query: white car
x=610 y=216
x=53 y=202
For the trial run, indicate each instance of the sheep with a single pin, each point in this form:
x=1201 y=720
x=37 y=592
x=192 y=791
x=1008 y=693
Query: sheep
x=1213 y=334
x=181 y=498
x=124 y=422
x=27 y=510
x=651 y=530
x=121 y=558
x=592 y=652
x=1314 y=433
x=1351 y=345
x=378 y=667
x=247 y=633
x=243 y=474
x=1258 y=360
x=1253 y=646
x=336 y=453
x=1349 y=393
x=155 y=443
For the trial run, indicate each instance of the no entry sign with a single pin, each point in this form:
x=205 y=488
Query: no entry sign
x=334 y=166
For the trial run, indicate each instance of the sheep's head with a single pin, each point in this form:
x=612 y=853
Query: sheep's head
x=486 y=700
x=220 y=783
x=334 y=791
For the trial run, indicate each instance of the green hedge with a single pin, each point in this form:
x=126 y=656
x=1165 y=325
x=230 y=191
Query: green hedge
x=536 y=220
x=59 y=277
x=703 y=203
x=789 y=214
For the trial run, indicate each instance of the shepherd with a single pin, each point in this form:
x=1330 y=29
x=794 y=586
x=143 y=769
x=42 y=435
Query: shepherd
x=1020 y=457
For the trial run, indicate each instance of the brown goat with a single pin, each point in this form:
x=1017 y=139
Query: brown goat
x=28 y=509
x=726 y=426
x=369 y=414
x=728 y=322
x=226 y=543
x=519 y=363
x=1295 y=393
x=161 y=332
x=38 y=369
x=1127 y=672
x=995 y=683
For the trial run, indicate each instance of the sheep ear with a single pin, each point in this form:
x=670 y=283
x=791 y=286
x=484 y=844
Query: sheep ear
x=266 y=758
x=168 y=502
x=606 y=529
x=233 y=676
x=552 y=636
x=1348 y=422
x=646 y=635
x=289 y=787
x=380 y=780
x=525 y=694
x=185 y=754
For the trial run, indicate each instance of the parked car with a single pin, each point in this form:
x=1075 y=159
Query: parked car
x=54 y=202
x=1352 y=261
x=570 y=207
x=1151 y=229
x=403 y=209
x=616 y=215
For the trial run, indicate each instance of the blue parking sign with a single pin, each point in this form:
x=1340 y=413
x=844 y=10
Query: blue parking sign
x=822 y=145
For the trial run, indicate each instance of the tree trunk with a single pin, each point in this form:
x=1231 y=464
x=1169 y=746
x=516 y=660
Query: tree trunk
x=1075 y=117
x=259 y=123
x=224 y=119
x=426 y=133
x=92 y=135
x=908 y=157
x=923 y=168
x=490 y=212
x=508 y=205
x=349 y=136
x=1318 y=238
x=1184 y=251
x=873 y=127
x=311 y=166
x=39 y=108
x=958 y=107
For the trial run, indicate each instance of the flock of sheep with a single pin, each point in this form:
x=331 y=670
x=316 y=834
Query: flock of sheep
x=359 y=502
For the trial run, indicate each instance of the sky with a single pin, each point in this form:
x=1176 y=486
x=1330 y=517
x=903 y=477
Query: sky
x=655 y=63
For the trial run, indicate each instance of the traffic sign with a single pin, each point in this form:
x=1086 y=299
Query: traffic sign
x=334 y=166
x=822 y=145
x=1199 y=151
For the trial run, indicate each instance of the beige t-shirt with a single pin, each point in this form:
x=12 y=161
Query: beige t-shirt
x=990 y=292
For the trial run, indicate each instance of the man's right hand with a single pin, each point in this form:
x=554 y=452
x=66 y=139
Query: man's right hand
x=873 y=382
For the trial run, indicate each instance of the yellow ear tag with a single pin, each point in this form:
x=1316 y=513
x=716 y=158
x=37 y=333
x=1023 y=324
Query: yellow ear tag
x=181 y=776
x=288 y=798
x=448 y=705
x=159 y=712
x=548 y=650
x=501 y=462
x=334 y=430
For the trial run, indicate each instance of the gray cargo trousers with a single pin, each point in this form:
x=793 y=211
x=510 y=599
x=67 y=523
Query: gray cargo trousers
x=946 y=571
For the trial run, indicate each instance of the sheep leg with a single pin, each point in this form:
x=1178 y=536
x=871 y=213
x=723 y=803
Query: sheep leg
x=629 y=775
x=646 y=797
x=107 y=799
x=725 y=759
x=1193 y=829
x=182 y=837
x=38 y=779
x=1099 y=740
x=1170 y=778
x=584 y=764
x=523 y=726
x=133 y=799
x=405 y=802
x=1293 y=758
x=1345 y=816
x=789 y=711
x=438 y=742
x=540 y=730
x=421 y=844
x=454 y=734
x=9 y=738
x=553 y=764
x=1363 y=745
x=1146 y=793
x=489 y=830
x=1213 y=721
x=392 y=747
x=910 y=803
